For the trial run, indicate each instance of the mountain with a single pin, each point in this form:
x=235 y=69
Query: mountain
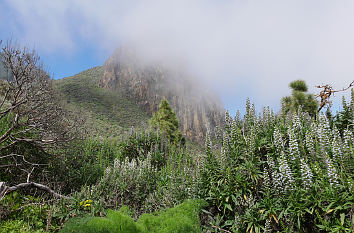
x=125 y=92
x=104 y=113
x=197 y=109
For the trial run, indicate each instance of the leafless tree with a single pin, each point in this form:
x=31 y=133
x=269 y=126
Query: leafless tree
x=326 y=93
x=30 y=112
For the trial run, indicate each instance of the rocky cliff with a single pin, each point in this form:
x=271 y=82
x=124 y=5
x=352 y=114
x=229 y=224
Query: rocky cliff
x=197 y=109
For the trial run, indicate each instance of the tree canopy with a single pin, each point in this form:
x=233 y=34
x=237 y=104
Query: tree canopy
x=299 y=98
x=166 y=120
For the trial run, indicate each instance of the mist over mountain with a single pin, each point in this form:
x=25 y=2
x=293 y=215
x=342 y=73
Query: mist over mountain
x=197 y=108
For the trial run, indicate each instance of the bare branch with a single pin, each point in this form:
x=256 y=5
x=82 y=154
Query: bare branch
x=326 y=93
x=23 y=159
x=31 y=111
x=8 y=146
x=4 y=190
x=11 y=108
x=29 y=174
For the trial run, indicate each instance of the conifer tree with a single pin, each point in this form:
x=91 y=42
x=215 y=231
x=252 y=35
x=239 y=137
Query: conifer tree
x=166 y=120
x=299 y=98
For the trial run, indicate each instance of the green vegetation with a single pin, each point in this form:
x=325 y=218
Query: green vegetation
x=344 y=119
x=299 y=98
x=106 y=113
x=270 y=173
x=166 y=121
x=280 y=173
x=183 y=218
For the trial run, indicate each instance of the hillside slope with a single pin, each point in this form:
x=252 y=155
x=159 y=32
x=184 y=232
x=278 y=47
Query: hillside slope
x=105 y=113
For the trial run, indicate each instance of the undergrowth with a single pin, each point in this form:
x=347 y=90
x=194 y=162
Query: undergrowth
x=183 y=218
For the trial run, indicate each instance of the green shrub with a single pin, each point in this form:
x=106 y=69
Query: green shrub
x=177 y=181
x=18 y=226
x=24 y=213
x=344 y=120
x=139 y=145
x=280 y=173
x=82 y=163
x=183 y=218
x=146 y=175
x=127 y=183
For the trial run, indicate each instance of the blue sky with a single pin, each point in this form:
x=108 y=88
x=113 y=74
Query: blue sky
x=64 y=65
x=240 y=48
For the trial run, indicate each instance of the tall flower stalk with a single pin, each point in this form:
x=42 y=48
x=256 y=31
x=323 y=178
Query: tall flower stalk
x=306 y=174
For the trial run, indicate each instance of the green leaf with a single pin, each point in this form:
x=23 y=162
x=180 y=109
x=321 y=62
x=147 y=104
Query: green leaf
x=229 y=223
x=342 y=217
x=249 y=226
x=228 y=206
x=234 y=199
x=309 y=211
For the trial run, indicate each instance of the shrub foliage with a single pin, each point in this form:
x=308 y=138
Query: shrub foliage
x=280 y=173
x=183 y=218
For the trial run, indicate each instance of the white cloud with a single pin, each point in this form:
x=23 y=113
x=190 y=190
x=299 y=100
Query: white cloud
x=242 y=48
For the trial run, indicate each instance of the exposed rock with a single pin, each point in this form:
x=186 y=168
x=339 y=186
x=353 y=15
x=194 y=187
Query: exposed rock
x=197 y=109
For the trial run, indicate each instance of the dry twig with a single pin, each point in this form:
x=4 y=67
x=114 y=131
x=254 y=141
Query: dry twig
x=326 y=93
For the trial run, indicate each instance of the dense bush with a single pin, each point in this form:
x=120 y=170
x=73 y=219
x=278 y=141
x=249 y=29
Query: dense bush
x=25 y=213
x=280 y=173
x=139 y=145
x=344 y=119
x=144 y=186
x=81 y=163
x=183 y=218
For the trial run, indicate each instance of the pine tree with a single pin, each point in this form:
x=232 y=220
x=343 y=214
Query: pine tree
x=299 y=98
x=166 y=120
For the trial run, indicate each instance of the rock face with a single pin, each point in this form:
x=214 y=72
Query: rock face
x=198 y=110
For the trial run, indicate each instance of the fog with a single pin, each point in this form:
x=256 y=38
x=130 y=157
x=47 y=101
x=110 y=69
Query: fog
x=240 y=48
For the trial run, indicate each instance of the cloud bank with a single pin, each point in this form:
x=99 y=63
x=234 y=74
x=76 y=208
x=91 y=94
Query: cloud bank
x=241 y=48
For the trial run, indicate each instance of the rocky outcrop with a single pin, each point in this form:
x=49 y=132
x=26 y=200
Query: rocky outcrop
x=197 y=109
